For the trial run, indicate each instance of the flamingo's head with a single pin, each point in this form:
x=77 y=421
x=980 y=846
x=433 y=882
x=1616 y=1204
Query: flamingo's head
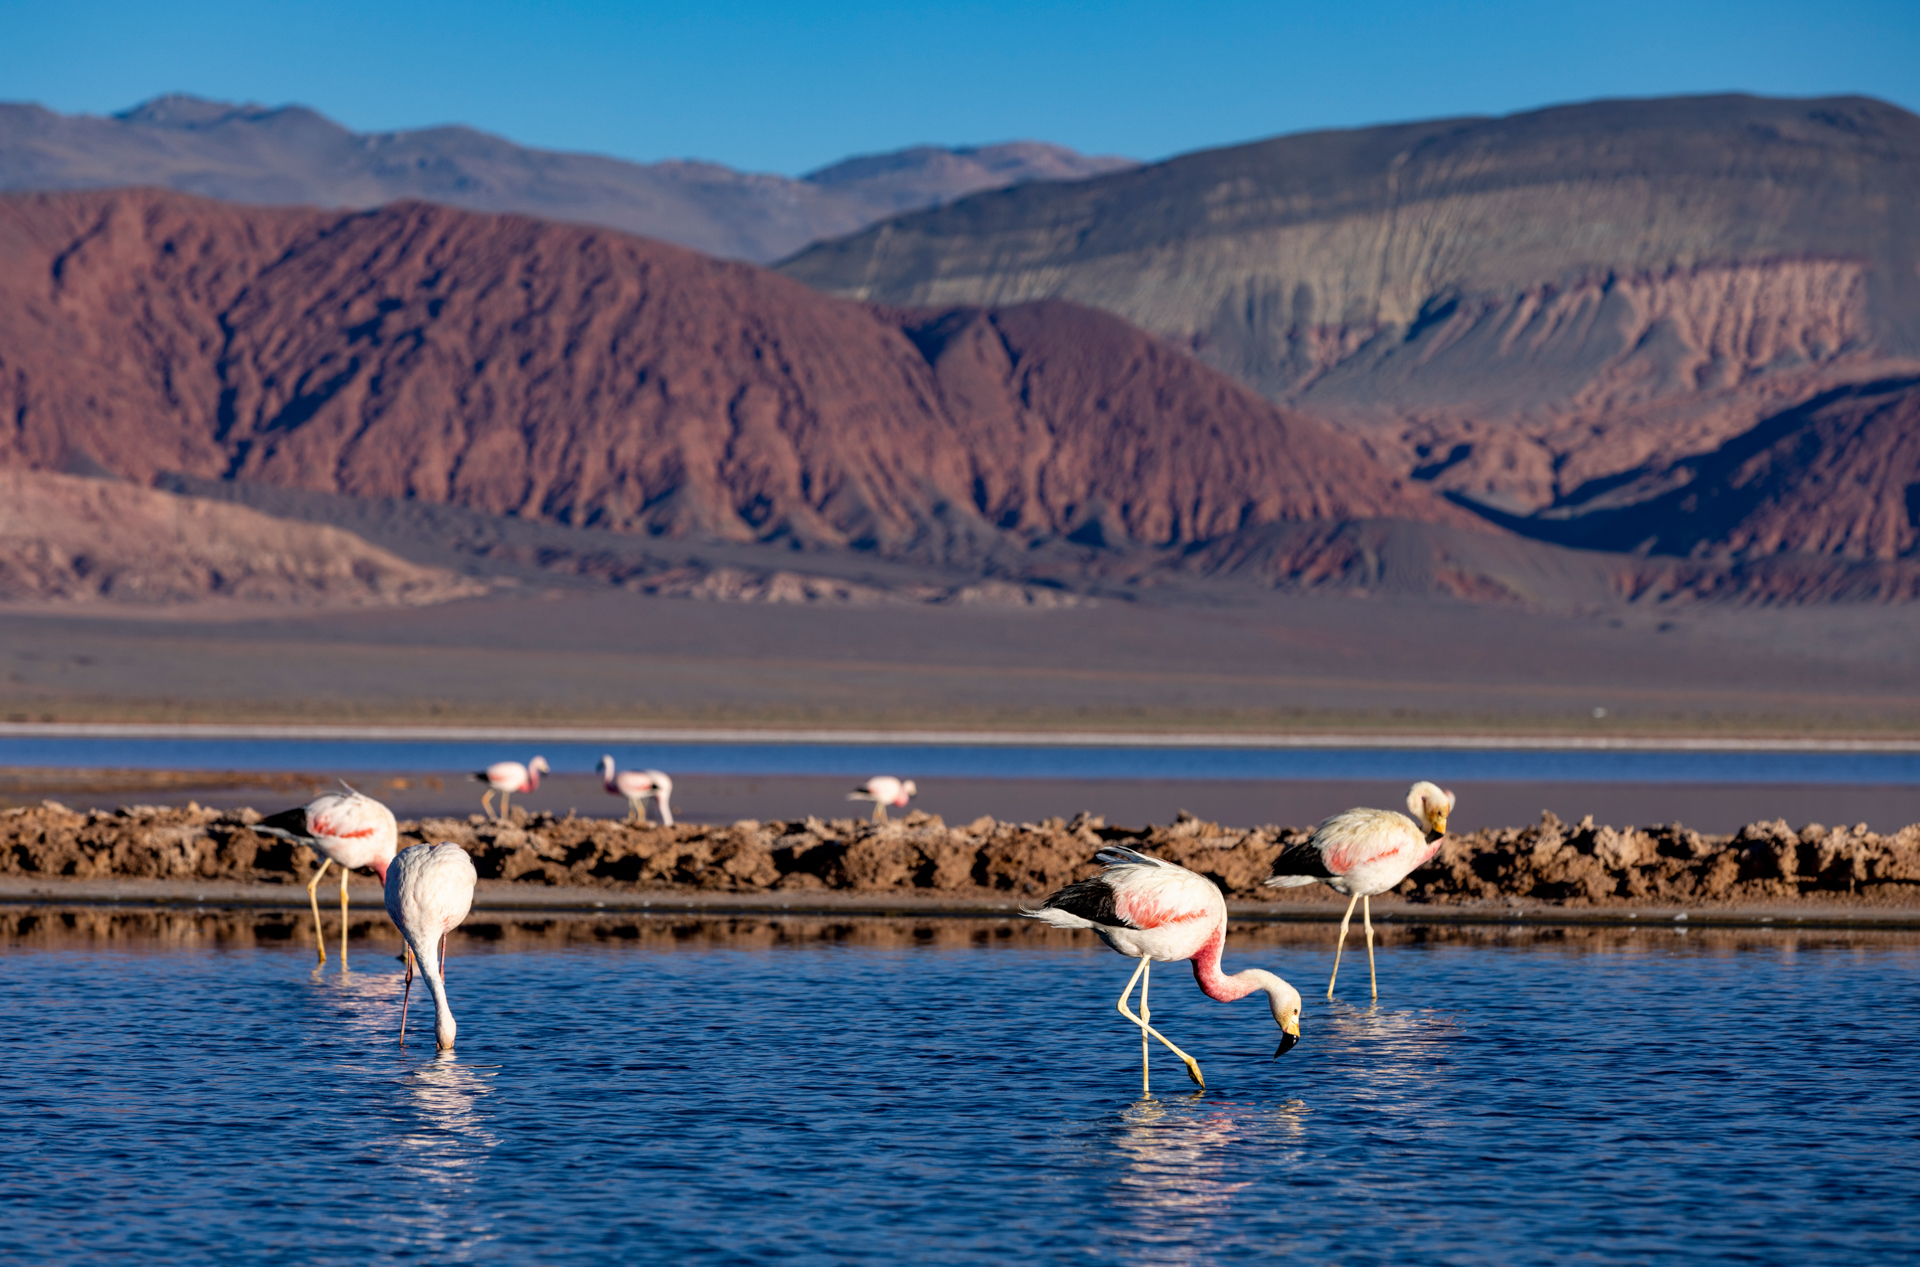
x=539 y=766
x=1430 y=806
x=907 y=791
x=1285 y=1001
x=606 y=766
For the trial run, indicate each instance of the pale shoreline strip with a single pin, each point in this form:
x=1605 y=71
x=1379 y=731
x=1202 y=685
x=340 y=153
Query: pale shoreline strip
x=1397 y=741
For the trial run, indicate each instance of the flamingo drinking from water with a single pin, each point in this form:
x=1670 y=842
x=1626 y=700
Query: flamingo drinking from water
x=1364 y=852
x=346 y=829
x=637 y=786
x=884 y=790
x=1149 y=909
x=507 y=777
x=429 y=892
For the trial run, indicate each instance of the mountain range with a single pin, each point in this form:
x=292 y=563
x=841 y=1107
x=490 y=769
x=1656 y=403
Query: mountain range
x=293 y=155
x=1536 y=313
x=1646 y=350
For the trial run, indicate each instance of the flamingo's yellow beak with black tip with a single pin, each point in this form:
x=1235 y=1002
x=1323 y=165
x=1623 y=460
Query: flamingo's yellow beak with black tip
x=1289 y=1035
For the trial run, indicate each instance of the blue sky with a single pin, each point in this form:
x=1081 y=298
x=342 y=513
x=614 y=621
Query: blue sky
x=784 y=87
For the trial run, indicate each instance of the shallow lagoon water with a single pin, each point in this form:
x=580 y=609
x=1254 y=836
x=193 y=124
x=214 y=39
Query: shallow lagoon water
x=748 y=1092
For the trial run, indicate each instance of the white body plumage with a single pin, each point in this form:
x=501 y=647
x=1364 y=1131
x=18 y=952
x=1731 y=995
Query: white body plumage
x=508 y=777
x=638 y=786
x=429 y=892
x=348 y=830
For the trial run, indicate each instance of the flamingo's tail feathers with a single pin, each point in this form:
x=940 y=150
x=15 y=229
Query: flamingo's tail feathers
x=1299 y=864
x=1121 y=856
x=1058 y=918
x=480 y=776
x=1289 y=881
x=288 y=824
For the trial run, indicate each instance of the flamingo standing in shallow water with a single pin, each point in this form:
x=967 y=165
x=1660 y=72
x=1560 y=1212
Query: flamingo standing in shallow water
x=1149 y=909
x=1364 y=852
x=346 y=829
x=507 y=777
x=637 y=786
x=884 y=790
x=429 y=891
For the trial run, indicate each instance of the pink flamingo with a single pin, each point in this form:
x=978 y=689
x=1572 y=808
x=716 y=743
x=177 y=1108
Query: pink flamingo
x=637 y=786
x=344 y=828
x=507 y=777
x=1149 y=909
x=884 y=790
x=1364 y=852
x=429 y=892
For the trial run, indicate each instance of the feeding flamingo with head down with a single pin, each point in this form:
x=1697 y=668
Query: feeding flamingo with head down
x=1149 y=909
x=429 y=892
x=508 y=777
x=637 y=786
x=884 y=790
x=346 y=829
x=1364 y=852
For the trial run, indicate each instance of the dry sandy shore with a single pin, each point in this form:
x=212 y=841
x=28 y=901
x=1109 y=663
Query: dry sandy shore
x=1551 y=869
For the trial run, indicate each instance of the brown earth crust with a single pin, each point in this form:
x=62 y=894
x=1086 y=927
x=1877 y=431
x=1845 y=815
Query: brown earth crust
x=1573 y=865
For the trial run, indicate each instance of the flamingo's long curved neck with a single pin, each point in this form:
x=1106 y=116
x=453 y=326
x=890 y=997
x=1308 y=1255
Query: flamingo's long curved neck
x=426 y=953
x=1216 y=984
x=379 y=867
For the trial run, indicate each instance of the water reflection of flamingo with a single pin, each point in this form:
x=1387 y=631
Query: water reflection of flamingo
x=508 y=777
x=346 y=829
x=1364 y=852
x=1149 y=909
x=429 y=891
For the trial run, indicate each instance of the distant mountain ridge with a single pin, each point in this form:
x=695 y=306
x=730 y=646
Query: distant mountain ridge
x=1523 y=311
x=294 y=155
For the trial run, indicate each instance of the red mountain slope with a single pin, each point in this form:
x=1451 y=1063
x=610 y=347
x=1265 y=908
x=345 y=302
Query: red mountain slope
x=583 y=376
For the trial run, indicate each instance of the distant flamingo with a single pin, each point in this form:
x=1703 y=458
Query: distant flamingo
x=1364 y=852
x=344 y=828
x=429 y=891
x=884 y=790
x=1148 y=909
x=507 y=777
x=637 y=786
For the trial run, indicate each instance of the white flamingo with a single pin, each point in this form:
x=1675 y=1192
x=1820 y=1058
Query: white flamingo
x=1149 y=909
x=637 y=786
x=429 y=892
x=1364 y=852
x=347 y=829
x=507 y=777
x=884 y=790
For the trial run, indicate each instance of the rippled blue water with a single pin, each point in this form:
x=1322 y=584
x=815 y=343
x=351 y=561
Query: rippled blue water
x=984 y=761
x=1660 y=1103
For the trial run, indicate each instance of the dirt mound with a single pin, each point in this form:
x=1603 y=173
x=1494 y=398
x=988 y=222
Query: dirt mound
x=575 y=376
x=1579 y=865
x=67 y=538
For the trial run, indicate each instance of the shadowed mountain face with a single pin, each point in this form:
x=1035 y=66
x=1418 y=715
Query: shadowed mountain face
x=1517 y=310
x=293 y=155
x=581 y=377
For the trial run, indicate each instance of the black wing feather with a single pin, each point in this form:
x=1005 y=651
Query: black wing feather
x=290 y=823
x=1090 y=900
x=1302 y=859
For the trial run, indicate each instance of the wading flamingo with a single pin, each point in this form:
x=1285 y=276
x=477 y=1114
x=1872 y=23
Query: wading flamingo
x=347 y=830
x=429 y=891
x=884 y=790
x=1364 y=852
x=507 y=777
x=1147 y=909
x=637 y=786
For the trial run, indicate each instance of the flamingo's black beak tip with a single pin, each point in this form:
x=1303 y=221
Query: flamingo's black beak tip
x=1286 y=1045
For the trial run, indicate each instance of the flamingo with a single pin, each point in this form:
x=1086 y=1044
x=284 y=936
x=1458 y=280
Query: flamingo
x=506 y=777
x=1148 y=908
x=1364 y=852
x=344 y=828
x=429 y=891
x=884 y=790
x=637 y=786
